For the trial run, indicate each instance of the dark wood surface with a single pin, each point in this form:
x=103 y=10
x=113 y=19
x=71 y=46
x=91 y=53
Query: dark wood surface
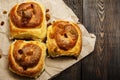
x=101 y=17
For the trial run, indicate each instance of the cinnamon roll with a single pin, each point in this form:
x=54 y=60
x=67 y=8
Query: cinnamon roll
x=27 y=21
x=26 y=58
x=64 y=38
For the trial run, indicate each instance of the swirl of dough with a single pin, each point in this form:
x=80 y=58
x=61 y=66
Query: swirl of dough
x=26 y=15
x=27 y=56
x=64 y=38
x=65 y=35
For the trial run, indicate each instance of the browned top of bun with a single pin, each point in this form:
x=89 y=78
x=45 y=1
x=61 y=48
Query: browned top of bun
x=28 y=56
x=26 y=15
x=65 y=34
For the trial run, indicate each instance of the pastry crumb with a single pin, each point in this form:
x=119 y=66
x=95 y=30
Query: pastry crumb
x=4 y=12
x=49 y=24
x=2 y=23
x=47 y=17
x=47 y=10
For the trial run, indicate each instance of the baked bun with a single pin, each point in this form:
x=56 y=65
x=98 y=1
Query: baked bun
x=27 y=21
x=26 y=58
x=64 y=38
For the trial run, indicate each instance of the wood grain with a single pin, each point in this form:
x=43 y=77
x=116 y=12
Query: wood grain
x=101 y=17
x=72 y=73
x=77 y=7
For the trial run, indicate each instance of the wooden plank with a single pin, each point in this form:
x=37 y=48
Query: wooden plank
x=102 y=18
x=77 y=7
x=74 y=72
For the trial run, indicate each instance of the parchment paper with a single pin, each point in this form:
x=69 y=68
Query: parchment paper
x=58 y=10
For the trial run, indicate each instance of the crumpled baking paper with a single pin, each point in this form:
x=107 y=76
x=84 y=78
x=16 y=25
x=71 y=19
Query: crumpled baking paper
x=58 y=11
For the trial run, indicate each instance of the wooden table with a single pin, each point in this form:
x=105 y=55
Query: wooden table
x=101 y=17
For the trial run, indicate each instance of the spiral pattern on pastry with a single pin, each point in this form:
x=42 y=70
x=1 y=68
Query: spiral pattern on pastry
x=26 y=58
x=64 y=39
x=27 y=21
x=27 y=15
x=65 y=35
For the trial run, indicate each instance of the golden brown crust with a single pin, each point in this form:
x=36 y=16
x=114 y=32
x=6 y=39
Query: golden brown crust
x=64 y=34
x=26 y=58
x=26 y=15
x=64 y=39
x=27 y=21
